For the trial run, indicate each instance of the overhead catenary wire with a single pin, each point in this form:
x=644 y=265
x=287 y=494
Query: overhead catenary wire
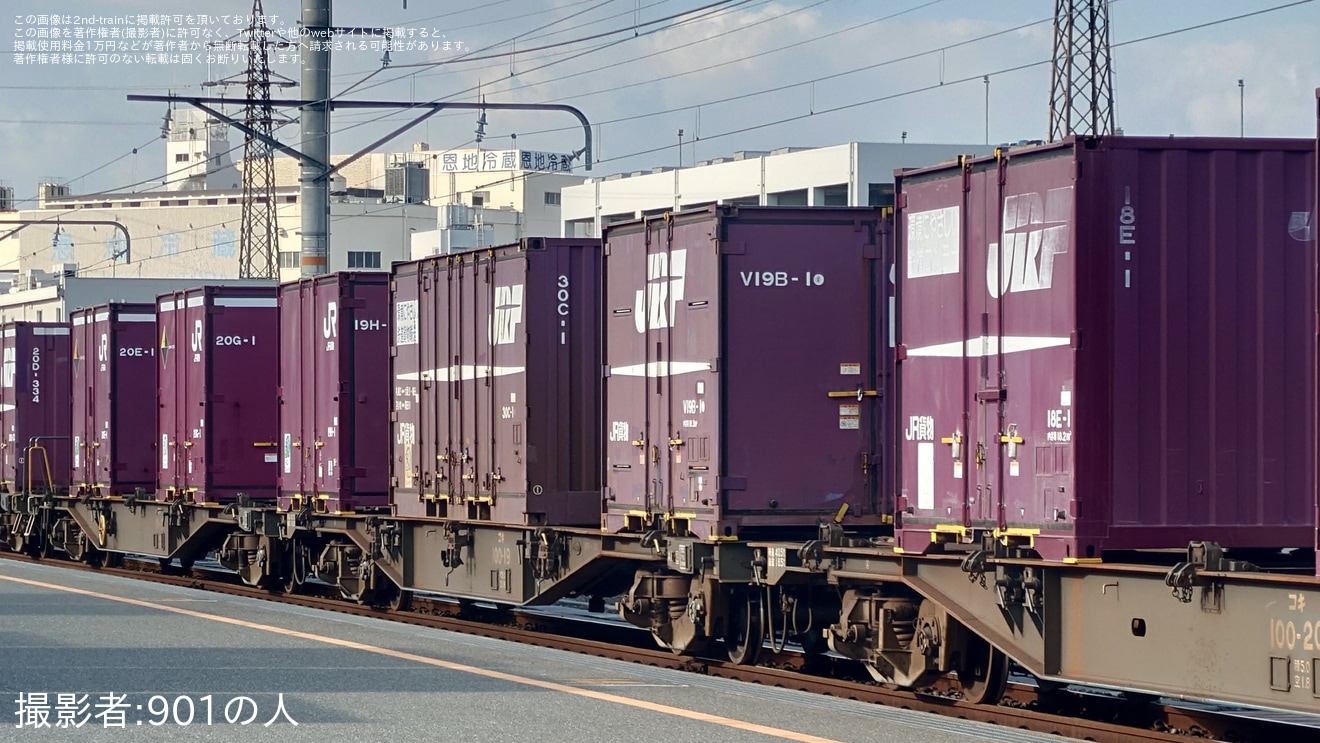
x=977 y=77
x=520 y=52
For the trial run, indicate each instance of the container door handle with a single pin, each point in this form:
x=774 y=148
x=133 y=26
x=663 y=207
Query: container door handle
x=955 y=442
x=859 y=393
x=1013 y=440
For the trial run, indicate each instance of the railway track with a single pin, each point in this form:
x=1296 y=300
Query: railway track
x=1092 y=717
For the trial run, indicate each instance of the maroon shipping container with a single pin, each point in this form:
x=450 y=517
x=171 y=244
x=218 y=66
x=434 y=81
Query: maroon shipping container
x=497 y=384
x=1109 y=344
x=35 y=410
x=114 y=399
x=744 y=385
x=335 y=392
x=219 y=402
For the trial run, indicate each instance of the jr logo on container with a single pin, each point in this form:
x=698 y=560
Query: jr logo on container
x=330 y=325
x=1036 y=230
x=195 y=340
x=665 y=277
x=506 y=315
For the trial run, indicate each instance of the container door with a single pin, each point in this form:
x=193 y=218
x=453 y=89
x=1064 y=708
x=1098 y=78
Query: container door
x=293 y=445
x=173 y=394
x=1033 y=286
x=985 y=367
x=412 y=396
x=935 y=431
x=637 y=280
x=325 y=306
x=506 y=293
x=442 y=411
x=683 y=332
x=84 y=427
x=471 y=305
x=100 y=371
x=8 y=400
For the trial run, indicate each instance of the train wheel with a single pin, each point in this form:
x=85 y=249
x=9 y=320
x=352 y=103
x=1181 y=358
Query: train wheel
x=400 y=601
x=983 y=673
x=295 y=573
x=390 y=596
x=78 y=548
x=746 y=629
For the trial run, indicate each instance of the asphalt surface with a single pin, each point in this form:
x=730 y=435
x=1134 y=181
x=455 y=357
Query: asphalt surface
x=150 y=652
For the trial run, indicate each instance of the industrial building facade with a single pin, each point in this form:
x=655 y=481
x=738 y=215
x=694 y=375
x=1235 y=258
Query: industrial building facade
x=853 y=174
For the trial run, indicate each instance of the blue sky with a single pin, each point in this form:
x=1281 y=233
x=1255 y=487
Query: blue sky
x=923 y=76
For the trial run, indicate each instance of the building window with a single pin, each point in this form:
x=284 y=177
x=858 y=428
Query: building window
x=290 y=259
x=182 y=157
x=232 y=201
x=834 y=195
x=211 y=202
x=291 y=199
x=479 y=198
x=552 y=198
x=788 y=198
x=879 y=194
x=363 y=259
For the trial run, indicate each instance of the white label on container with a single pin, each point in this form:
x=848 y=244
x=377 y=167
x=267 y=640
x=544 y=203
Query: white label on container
x=850 y=370
x=850 y=409
x=932 y=242
x=164 y=451
x=957 y=469
x=926 y=475
x=405 y=323
x=513 y=397
x=272 y=458
x=77 y=448
x=1065 y=399
x=849 y=423
x=288 y=453
x=1013 y=468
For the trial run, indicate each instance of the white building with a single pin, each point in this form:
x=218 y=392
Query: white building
x=41 y=296
x=853 y=174
x=197 y=153
x=483 y=196
x=195 y=234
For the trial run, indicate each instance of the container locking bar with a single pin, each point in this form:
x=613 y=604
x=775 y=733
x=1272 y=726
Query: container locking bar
x=859 y=393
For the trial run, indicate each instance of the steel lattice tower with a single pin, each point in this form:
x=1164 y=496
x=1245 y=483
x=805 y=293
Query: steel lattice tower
x=1082 y=86
x=258 y=246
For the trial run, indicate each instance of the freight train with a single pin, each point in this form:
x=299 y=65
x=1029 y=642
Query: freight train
x=1057 y=406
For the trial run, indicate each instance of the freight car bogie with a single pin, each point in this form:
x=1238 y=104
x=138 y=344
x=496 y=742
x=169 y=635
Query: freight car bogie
x=908 y=641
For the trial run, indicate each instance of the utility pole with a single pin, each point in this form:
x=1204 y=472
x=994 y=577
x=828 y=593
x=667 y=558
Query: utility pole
x=258 y=255
x=315 y=119
x=1082 y=82
x=680 y=148
x=1242 y=108
x=986 y=79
